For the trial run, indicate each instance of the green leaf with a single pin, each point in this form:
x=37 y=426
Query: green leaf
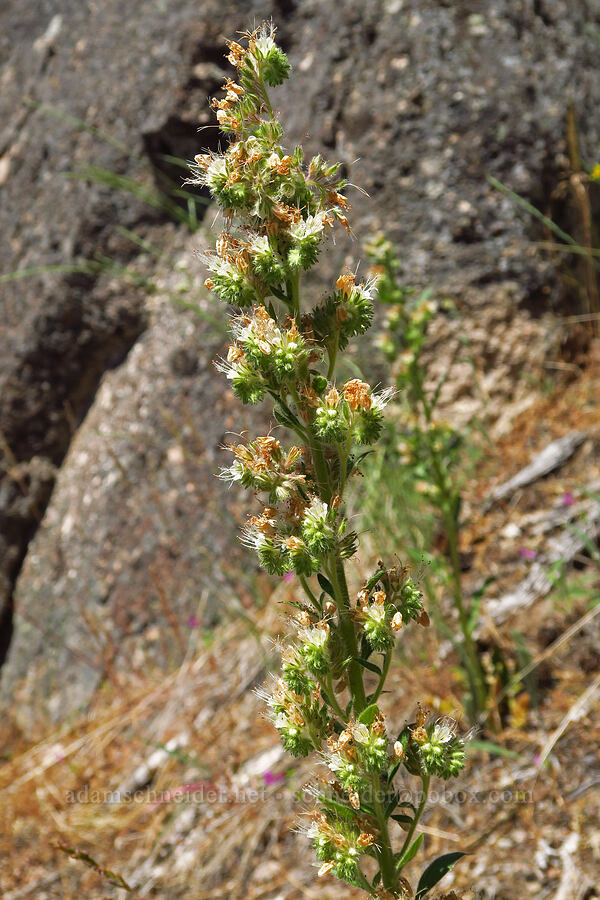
x=285 y=416
x=393 y=769
x=435 y=871
x=375 y=578
x=391 y=805
x=368 y=665
x=410 y=852
x=404 y=736
x=326 y=585
x=534 y=211
x=365 y=648
x=402 y=818
x=491 y=747
x=281 y=417
x=406 y=804
x=367 y=716
x=280 y=296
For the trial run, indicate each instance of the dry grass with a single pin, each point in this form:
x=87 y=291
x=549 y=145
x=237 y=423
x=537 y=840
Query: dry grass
x=242 y=846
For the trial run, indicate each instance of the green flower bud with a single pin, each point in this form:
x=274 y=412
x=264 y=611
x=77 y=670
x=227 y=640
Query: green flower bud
x=272 y=351
x=296 y=718
x=346 y=864
x=266 y=262
x=269 y=132
x=347 y=771
x=314 y=648
x=377 y=627
x=300 y=559
x=295 y=258
x=368 y=426
x=339 y=844
x=272 y=558
x=295 y=676
x=358 y=307
x=319 y=383
x=230 y=284
x=247 y=384
x=248 y=387
x=331 y=425
x=434 y=749
x=233 y=196
x=325 y=323
x=317 y=529
x=304 y=254
x=410 y=601
x=371 y=744
x=442 y=752
x=306 y=236
x=275 y=67
x=292 y=736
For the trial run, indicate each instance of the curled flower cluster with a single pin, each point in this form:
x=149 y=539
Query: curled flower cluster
x=278 y=212
x=298 y=717
x=355 y=413
x=432 y=747
x=383 y=611
x=339 y=845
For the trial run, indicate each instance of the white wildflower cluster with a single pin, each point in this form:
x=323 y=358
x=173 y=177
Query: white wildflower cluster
x=386 y=603
x=278 y=213
x=433 y=747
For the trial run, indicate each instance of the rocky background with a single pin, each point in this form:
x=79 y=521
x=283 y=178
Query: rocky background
x=113 y=532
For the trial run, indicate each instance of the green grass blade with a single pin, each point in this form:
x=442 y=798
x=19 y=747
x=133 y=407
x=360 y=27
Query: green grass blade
x=537 y=214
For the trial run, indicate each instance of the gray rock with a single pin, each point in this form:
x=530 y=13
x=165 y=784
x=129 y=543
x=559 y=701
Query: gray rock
x=419 y=100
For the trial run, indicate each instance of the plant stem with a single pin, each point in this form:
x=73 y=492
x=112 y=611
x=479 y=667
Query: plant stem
x=355 y=678
x=332 y=701
x=364 y=884
x=386 y=855
x=308 y=592
x=447 y=502
x=386 y=667
x=296 y=297
x=321 y=469
x=476 y=675
x=265 y=94
x=425 y=779
x=344 y=462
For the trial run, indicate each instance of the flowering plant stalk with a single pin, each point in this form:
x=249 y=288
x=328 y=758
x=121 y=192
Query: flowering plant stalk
x=432 y=449
x=277 y=212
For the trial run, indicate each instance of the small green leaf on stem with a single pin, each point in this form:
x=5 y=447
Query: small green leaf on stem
x=410 y=852
x=326 y=585
x=367 y=716
x=435 y=871
x=372 y=668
